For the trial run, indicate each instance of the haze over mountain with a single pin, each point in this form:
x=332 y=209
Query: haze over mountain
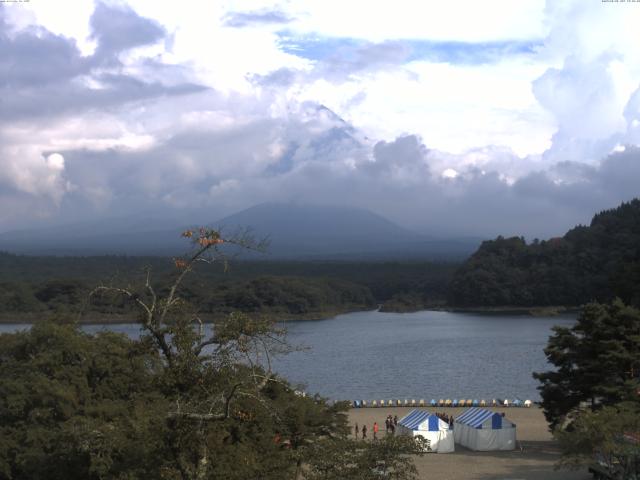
x=294 y=231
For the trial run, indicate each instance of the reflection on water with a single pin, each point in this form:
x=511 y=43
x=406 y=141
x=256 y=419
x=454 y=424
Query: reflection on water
x=374 y=355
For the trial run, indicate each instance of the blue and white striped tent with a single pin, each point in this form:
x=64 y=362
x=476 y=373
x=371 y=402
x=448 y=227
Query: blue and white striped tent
x=483 y=430
x=433 y=429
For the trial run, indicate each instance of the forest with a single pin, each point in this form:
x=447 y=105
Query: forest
x=177 y=403
x=35 y=287
x=597 y=262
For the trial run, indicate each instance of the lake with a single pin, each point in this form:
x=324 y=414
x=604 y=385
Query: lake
x=376 y=355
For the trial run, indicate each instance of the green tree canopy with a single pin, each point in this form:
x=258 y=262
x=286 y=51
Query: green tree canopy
x=180 y=403
x=597 y=361
x=589 y=263
x=610 y=437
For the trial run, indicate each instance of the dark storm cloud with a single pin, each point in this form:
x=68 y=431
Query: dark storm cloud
x=247 y=19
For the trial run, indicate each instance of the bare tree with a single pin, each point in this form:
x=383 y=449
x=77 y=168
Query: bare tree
x=209 y=371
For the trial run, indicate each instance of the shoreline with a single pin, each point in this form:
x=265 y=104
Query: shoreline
x=119 y=319
x=535 y=311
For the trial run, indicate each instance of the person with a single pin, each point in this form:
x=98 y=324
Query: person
x=364 y=432
x=393 y=429
x=451 y=422
x=395 y=420
x=375 y=430
x=356 y=430
x=386 y=425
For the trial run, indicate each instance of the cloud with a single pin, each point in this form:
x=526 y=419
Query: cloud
x=53 y=95
x=36 y=57
x=316 y=157
x=120 y=28
x=587 y=106
x=360 y=53
x=161 y=117
x=246 y=19
x=590 y=89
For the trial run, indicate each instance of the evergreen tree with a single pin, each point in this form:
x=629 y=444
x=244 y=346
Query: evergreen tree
x=597 y=361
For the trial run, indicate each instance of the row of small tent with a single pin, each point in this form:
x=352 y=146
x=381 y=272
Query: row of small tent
x=477 y=429
x=443 y=403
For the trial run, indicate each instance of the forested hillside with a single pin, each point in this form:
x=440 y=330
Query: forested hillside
x=596 y=262
x=35 y=287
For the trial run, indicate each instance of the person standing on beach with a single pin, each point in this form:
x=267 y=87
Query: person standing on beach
x=395 y=420
x=364 y=432
x=375 y=430
x=356 y=431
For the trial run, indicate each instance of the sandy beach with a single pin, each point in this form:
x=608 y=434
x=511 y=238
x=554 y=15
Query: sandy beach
x=535 y=461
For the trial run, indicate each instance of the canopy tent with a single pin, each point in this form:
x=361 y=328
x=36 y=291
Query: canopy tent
x=483 y=430
x=436 y=431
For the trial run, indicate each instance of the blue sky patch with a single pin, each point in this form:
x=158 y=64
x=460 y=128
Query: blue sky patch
x=319 y=48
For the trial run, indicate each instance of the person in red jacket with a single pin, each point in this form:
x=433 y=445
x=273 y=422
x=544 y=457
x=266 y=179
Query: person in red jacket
x=375 y=430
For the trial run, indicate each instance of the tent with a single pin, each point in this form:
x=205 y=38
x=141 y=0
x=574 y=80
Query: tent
x=483 y=430
x=433 y=429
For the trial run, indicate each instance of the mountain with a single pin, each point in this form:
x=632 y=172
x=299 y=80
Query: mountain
x=336 y=232
x=294 y=231
x=596 y=262
x=133 y=235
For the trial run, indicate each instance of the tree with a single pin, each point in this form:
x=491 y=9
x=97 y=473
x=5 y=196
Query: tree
x=182 y=402
x=73 y=406
x=596 y=262
x=344 y=458
x=597 y=361
x=610 y=437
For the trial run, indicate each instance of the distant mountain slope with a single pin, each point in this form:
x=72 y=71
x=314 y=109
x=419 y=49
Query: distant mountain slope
x=295 y=231
x=308 y=231
x=597 y=262
x=128 y=235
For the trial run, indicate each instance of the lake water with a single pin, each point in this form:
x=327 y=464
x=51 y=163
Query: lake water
x=375 y=355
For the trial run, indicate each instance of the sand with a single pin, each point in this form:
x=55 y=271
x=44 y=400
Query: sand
x=535 y=461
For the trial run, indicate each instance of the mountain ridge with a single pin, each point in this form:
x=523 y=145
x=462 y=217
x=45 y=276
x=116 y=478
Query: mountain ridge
x=295 y=230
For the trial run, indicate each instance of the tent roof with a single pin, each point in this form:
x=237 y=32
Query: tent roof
x=415 y=418
x=475 y=417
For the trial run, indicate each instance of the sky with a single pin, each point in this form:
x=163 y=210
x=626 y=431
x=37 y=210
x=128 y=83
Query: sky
x=448 y=118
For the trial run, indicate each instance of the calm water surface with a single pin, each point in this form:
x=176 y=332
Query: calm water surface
x=375 y=355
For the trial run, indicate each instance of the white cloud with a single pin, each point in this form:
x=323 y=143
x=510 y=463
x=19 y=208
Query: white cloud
x=205 y=112
x=465 y=20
